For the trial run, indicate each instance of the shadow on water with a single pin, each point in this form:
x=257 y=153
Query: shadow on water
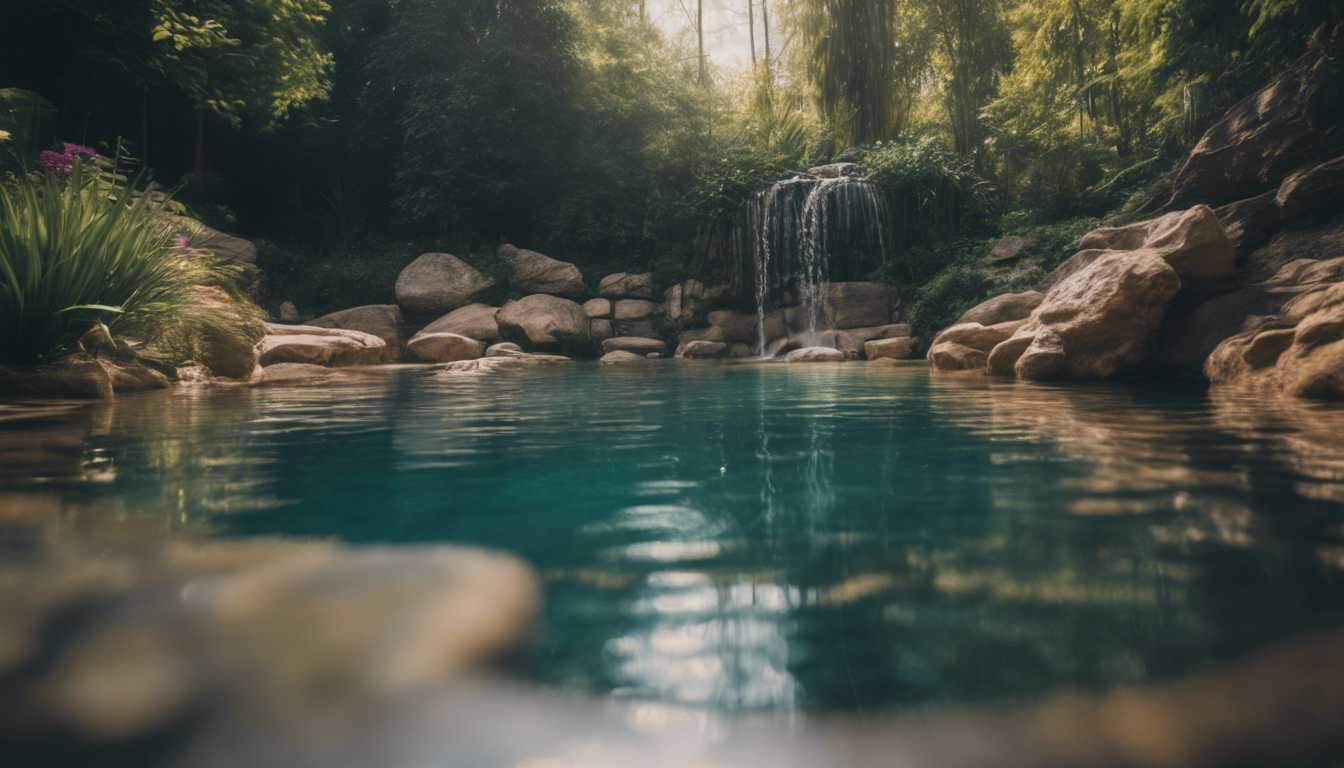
x=749 y=564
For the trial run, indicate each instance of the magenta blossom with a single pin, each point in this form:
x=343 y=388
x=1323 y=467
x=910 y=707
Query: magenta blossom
x=184 y=245
x=57 y=162
x=79 y=149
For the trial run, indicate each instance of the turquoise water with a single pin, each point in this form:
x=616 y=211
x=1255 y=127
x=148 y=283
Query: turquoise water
x=769 y=537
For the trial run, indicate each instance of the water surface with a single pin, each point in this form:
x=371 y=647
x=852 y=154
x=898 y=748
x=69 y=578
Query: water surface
x=767 y=537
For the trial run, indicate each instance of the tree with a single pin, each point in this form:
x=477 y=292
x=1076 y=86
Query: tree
x=242 y=59
x=854 y=67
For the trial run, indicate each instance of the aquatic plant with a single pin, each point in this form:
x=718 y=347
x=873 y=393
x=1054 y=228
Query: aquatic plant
x=74 y=251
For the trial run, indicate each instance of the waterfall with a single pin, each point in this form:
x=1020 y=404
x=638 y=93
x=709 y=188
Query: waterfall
x=805 y=226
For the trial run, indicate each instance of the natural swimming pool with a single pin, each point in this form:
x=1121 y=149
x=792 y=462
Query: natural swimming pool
x=766 y=537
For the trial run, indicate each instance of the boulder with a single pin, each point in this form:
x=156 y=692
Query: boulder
x=442 y=347
x=815 y=355
x=542 y=322
x=601 y=328
x=633 y=309
x=76 y=376
x=681 y=300
x=289 y=313
x=713 y=333
x=1257 y=142
x=632 y=344
x=1095 y=324
x=702 y=349
x=1003 y=309
x=438 y=283
x=736 y=326
x=625 y=285
x=228 y=356
x=717 y=291
x=1321 y=243
x=857 y=305
x=950 y=356
x=1312 y=194
x=738 y=349
x=1189 y=334
x=535 y=273
x=475 y=321
x=504 y=349
x=1009 y=249
x=381 y=320
x=852 y=341
x=1192 y=242
x=308 y=344
x=1072 y=265
x=597 y=308
x=898 y=348
x=1250 y=223
x=621 y=356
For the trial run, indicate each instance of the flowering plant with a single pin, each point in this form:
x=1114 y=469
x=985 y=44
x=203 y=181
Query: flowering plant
x=63 y=162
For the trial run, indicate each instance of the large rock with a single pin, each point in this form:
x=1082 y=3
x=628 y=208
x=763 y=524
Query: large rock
x=681 y=300
x=736 y=326
x=601 y=328
x=535 y=273
x=543 y=322
x=1192 y=242
x=331 y=347
x=702 y=349
x=439 y=282
x=505 y=349
x=289 y=314
x=814 y=355
x=381 y=320
x=597 y=308
x=966 y=346
x=899 y=348
x=1256 y=143
x=1094 y=325
x=853 y=340
x=857 y=305
x=633 y=309
x=625 y=285
x=836 y=170
x=228 y=356
x=1190 y=334
x=475 y=321
x=635 y=345
x=1003 y=309
x=1250 y=223
x=1312 y=194
x=713 y=333
x=442 y=347
x=1322 y=243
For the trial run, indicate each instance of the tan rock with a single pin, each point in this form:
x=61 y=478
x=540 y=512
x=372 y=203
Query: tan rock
x=713 y=333
x=736 y=326
x=475 y=321
x=541 y=321
x=898 y=348
x=625 y=285
x=1002 y=309
x=501 y=363
x=594 y=308
x=951 y=356
x=633 y=309
x=439 y=282
x=814 y=355
x=536 y=273
x=332 y=347
x=702 y=349
x=381 y=320
x=634 y=344
x=601 y=328
x=442 y=347
x=621 y=356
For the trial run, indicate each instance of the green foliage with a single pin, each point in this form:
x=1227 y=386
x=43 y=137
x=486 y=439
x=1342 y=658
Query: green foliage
x=321 y=280
x=73 y=251
x=915 y=266
x=945 y=298
x=724 y=183
x=21 y=115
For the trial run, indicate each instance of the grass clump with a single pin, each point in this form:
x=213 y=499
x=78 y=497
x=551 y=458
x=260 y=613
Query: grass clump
x=76 y=250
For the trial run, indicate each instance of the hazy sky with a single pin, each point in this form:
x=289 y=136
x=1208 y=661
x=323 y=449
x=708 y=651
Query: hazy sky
x=726 y=33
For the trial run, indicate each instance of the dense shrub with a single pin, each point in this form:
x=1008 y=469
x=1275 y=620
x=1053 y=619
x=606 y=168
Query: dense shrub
x=945 y=298
x=322 y=280
x=75 y=250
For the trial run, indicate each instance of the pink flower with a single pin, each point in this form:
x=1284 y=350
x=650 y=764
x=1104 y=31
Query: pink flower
x=56 y=162
x=79 y=149
x=183 y=245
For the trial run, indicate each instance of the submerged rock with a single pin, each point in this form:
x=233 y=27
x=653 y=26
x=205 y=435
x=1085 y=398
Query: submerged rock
x=702 y=349
x=621 y=356
x=814 y=355
x=439 y=282
x=332 y=347
x=495 y=363
x=634 y=344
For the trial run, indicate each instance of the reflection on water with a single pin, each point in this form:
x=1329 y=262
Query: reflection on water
x=755 y=537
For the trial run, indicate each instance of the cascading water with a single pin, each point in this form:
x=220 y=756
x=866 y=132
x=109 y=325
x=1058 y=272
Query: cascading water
x=801 y=227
